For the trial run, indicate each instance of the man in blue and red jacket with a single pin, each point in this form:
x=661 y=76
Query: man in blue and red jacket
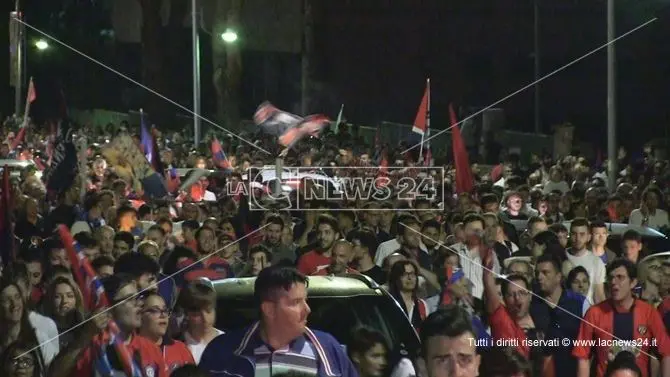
x=280 y=341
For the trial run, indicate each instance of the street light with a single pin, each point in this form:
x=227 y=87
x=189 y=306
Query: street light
x=229 y=36
x=42 y=44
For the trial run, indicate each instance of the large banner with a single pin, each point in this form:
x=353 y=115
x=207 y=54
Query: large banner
x=63 y=170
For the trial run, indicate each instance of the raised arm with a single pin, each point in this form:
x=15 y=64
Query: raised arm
x=65 y=363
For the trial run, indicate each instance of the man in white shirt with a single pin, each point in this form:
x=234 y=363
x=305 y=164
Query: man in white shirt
x=471 y=261
x=579 y=255
x=391 y=246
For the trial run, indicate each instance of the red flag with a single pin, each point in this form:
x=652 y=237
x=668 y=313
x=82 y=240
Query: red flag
x=446 y=295
x=32 y=94
x=95 y=296
x=464 y=180
x=172 y=179
x=382 y=174
x=40 y=165
x=18 y=138
x=311 y=125
x=420 y=123
x=219 y=156
x=497 y=172
x=453 y=275
x=7 y=252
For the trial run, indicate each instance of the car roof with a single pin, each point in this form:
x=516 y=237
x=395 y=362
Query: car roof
x=16 y=163
x=615 y=229
x=183 y=171
x=319 y=286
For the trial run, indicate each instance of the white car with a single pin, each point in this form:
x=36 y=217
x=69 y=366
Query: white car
x=17 y=166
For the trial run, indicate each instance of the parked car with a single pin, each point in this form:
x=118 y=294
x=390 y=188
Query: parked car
x=292 y=177
x=653 y=240
x=16 y=167
x=338 y=304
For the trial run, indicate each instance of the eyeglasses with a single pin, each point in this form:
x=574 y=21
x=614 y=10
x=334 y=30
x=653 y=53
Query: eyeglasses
x=23 y=362
x=161 y=312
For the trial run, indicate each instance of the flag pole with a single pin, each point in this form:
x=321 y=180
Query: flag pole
x=30 y=96
x=428 y=111
x=421 y=150
x=423 y=135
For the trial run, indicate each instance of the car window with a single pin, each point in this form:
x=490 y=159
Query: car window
x=651 y=245
x=337 y=316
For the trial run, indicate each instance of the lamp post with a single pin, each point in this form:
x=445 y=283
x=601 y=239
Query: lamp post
x=195 y=36
x=229 y=36
x=18 y=88
x=611 y=98
x=536 y=45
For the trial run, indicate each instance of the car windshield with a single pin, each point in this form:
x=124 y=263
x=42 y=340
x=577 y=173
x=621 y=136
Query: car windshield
x=337 y=316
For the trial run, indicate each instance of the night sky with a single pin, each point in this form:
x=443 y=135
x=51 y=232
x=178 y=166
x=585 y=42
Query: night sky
x=375 y=55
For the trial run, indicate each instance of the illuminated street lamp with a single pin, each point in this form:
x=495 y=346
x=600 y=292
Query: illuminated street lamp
x=42 y=44
x=229 y=36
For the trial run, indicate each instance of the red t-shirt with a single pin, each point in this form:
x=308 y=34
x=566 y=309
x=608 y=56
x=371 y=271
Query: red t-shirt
x=176 y=354
x=36 y=295
x=647 y=328
x=150 y=358
x=192 y=244
x=664 y=307
x=504 y=327
x=313 y=263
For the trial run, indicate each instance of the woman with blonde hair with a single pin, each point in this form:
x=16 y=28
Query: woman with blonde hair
x=63 y=302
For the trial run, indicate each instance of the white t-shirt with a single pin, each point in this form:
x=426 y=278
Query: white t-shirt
x=471 y=263
x=389 y=247
x=657 y=220
x=593 y=265
x=197 y=348
x=385 y=249
x=561 y=186
x=404 y=368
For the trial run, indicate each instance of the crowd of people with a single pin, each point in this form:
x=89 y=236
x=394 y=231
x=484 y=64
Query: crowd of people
x=487 y=278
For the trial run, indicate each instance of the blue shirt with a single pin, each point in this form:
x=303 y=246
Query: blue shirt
x=240 y=353
x=561 y=322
